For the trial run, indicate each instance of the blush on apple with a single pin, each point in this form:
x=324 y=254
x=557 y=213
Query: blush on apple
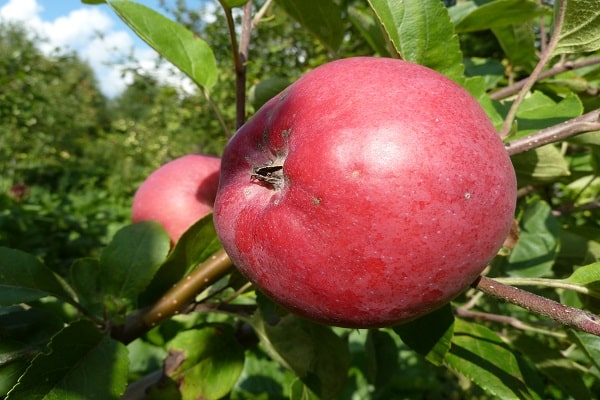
x=368 y=193
x=178 y=194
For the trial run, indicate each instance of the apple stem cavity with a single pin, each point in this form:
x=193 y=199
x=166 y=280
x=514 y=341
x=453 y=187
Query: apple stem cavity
x=561 y=313
x=269 y=175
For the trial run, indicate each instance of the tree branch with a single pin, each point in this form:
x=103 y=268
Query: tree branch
x=176 y=299
x=558 y=69
x=566 y=315
x=586 y=123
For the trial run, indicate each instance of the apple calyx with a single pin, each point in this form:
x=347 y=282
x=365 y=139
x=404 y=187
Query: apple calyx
x=269 y=175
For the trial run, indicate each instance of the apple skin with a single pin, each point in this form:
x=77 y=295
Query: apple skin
x=178 y=193
x=368 y=193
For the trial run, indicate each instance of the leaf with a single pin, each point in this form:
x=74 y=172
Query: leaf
x=370 y=29
x=480 y=355
x=235 y=3
x=323 y=18
x=82 y=363
x=382 y=354
x=85 y=277
x=24 y=278
x=588 y=276
x=518 y=43
x=429 y=335
x=132 y=258
x=495 y=14
x=181 y=47
x=207 y=362
x=554 y=365
x=318 y=356
x=196 y=244
x=421 y=32
x=542 y=164
x=536 y=250
x=580 y=31
x=589 y=344
x=266 y=89
x=93 y=1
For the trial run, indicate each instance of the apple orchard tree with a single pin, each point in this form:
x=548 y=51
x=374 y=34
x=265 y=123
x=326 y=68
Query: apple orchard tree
x=417 y=216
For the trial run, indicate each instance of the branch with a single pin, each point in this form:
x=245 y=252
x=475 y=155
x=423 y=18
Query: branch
x=559 y=69
x=565 y=315
x=512 y=113
x=503 y=319
x=586 y=123
x=176 y=299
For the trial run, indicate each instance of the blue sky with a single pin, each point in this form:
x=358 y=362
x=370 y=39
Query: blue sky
x=73 y=26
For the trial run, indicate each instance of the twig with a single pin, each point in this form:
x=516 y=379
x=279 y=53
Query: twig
x=176 y=299
x=260 y=13
x=512 y=112
x=558 y=69
x=586 y=123
x=551 y=283
x=502 y=319
x=565 y=315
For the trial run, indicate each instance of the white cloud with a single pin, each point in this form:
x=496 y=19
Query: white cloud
x=91 y=32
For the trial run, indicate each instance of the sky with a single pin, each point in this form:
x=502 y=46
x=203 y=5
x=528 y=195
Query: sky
x=97 y=35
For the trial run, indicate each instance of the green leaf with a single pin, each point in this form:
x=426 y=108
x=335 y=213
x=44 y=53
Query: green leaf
x=86 y=280
x=198 y=243
x=589 y=344
x=554 y=365
x=235 y=3
x=181 y=47
x=542 y=164
x=206 y=363
x=429 y=335
x=93 y=1
x=323 y=18
x=370 y=29
x=495 y=14
x=318 y=356
x=518 y=43
x=24 y=278
x=82 y=363
x=481 y=356
x=588 y=276
x=300 y=391
x=580 y=31
x=536 y=250
x=132 y=258
x=382 y=353
x=421 y=32
x=266 y=89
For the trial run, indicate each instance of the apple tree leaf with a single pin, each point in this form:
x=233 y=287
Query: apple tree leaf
x=589 y=277
x=429 y=335
x=192 y=55
x=580 y=31
x=266 y=89
x=554 y=365
x=480 y=355
x=131 y=259
x=421 y=32
x=589 y=344
x=235 y=3
x=205 y=363
x=93 y=1
x=518 y=43
x=494 y=14
x=537 y=248
x=24 y=278
x=82 y=363
x=318 y=356
x=196 y=245
x=322 y=18
x=542 y=164
x=382 y=357
x=370 y=29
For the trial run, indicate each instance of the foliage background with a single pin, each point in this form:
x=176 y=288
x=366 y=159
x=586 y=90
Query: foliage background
x=71 y=160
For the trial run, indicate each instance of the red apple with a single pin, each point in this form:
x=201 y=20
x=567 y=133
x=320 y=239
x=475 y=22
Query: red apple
x=178 y=194
x=369 y=192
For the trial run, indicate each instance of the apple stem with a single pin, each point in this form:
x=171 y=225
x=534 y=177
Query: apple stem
x=544 y=58
x=176 y=299
x=561 y=313
x=585 y=123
